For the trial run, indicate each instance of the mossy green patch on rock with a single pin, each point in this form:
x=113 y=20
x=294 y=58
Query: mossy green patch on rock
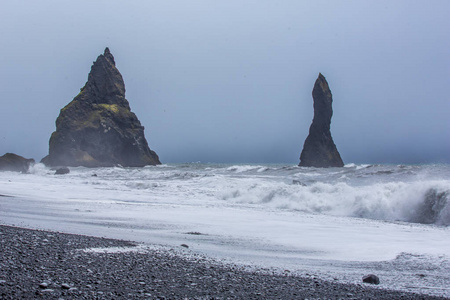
x=110 y=107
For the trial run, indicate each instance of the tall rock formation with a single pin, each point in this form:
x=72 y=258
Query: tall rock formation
x=97 y=128
x=319 y=149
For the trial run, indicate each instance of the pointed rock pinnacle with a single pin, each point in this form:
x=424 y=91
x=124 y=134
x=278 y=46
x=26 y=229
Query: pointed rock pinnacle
x=97 y=128
x=319 y=149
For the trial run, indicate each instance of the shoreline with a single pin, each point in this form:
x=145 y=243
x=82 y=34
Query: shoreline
x=50 y=265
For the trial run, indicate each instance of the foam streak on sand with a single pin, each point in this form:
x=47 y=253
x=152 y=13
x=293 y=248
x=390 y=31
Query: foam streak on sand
x=392 y=220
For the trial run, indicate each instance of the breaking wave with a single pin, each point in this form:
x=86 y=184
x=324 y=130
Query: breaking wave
x=426 y=203
x=417 y=194
x=246 y=168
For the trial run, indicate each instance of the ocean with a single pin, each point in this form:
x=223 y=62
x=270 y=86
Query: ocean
x=336 y=224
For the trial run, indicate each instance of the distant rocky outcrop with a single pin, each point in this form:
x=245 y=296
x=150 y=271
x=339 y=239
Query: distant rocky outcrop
x=15 y=163
x=97 y=128
x=319 y=149
x=62 y=171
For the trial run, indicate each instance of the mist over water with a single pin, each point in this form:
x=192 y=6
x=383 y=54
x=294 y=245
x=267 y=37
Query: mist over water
x=191 y=68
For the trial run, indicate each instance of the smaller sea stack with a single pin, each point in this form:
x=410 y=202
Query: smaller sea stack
x=319 y=149
x=97 y=128
x=15 y=163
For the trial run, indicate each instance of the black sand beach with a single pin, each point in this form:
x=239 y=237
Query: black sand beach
x=48 y=265
x=38 y=264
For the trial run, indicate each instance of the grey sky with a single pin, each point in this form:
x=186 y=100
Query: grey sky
x=231 y=81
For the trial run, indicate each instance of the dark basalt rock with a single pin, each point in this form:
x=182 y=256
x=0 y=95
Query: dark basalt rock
x=62 y=171
x=372 y=279
x=319 y=149
x=15 y=163
x=98 y=129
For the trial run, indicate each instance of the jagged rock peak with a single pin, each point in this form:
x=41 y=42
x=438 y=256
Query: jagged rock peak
x=105 y=83
x=107 y=54
x=319 y=149
x=97 y=128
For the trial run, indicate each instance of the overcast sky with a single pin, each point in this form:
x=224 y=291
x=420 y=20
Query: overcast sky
x=231 y=81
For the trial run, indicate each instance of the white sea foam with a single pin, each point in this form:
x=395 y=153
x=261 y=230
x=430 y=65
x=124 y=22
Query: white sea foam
x=135 y=249
x=245 y=168
x=383 y=193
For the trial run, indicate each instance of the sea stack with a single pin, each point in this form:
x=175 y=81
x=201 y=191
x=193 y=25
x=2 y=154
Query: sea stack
x=319 y=149
x=97 y=128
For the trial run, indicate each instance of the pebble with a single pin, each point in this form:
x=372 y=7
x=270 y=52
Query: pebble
x=43 y=285
x=65 y=286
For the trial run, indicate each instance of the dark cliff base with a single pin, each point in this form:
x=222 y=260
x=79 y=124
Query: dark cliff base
x=30 y=258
